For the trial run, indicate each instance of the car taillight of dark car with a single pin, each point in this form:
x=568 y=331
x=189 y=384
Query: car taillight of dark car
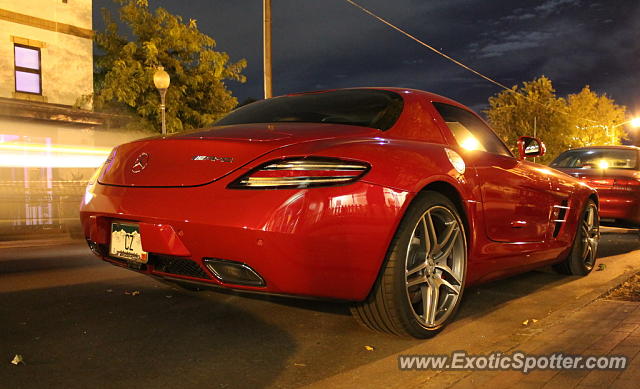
x=625 y=184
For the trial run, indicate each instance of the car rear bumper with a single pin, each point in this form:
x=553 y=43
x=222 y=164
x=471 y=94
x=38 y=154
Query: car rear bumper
x=618 y=208
x=321 y=242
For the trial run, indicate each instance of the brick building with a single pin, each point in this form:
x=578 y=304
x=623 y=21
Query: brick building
x=50 y=142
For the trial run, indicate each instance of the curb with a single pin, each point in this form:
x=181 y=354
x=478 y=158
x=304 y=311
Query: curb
x=11 y=244
x=616 y=230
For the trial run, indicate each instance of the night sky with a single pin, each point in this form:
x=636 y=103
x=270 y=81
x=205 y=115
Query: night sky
x=321 y=44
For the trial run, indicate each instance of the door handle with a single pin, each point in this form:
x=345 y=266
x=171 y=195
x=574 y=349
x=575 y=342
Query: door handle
x=518 y=224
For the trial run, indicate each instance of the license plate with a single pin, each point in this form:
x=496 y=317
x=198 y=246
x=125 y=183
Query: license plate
x=126 y=243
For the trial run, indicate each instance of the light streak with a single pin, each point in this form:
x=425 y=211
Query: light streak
x=23 y=154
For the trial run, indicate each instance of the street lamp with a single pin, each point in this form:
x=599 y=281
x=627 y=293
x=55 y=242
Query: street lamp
x=162 y=80
x=635 y=123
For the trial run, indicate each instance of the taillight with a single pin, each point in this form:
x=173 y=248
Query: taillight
x=626 y=184
x=599 y=182
x=302 y=173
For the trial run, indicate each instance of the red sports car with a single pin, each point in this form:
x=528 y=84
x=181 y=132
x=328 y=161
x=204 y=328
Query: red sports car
x=392 y=199
x=615 y=172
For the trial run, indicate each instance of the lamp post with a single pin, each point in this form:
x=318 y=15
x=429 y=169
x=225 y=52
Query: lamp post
x=634 y=122
x=162 y=80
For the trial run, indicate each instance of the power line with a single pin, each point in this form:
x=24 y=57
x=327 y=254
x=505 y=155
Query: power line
x=487 y=78
x=427 y=45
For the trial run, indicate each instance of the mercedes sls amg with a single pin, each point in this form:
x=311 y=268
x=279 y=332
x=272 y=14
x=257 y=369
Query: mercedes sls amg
x=393 y=200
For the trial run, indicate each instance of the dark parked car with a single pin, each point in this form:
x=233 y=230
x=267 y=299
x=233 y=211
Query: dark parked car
x=614 y=172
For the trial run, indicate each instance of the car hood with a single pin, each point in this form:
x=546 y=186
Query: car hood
x=202 y=156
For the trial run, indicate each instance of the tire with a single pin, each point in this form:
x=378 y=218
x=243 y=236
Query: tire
x=582 y=257
x=426 y=262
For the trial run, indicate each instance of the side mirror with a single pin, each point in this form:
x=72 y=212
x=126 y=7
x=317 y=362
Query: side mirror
x=529 y=146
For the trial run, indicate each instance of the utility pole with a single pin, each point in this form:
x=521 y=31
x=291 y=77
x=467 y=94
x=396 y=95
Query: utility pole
x=266 y=34
x=535 y=131
x=613 y=136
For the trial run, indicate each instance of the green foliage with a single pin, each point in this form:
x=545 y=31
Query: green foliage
x=582 y=119
x=124 y=70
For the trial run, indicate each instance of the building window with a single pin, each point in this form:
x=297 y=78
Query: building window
x=27 y=65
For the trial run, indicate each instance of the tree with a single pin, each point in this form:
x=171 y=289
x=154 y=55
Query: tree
x=594 y=119
x=534 y=109
x=124 y=69
x=529 y=110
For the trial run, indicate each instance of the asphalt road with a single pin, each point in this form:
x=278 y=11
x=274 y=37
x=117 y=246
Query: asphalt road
x=81 y=323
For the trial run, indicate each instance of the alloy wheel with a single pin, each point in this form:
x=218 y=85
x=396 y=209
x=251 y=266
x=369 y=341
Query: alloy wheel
x=435 y=266
x=590 y=236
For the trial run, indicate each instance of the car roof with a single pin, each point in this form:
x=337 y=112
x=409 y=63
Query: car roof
x=402 y=91
x=619 y=147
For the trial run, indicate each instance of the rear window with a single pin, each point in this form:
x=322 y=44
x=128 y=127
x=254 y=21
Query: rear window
x=597 y=159
x=358 y=107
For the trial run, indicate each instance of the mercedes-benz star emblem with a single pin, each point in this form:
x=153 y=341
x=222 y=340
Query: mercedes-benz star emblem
x=140 y=163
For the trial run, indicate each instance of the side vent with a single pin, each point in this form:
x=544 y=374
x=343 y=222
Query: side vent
x=560 y=216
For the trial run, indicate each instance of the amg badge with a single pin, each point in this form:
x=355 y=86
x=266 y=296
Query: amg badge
x=211 y=158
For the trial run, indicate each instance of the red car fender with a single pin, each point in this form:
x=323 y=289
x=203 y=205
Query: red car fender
x=579 y=194
x=431 y=170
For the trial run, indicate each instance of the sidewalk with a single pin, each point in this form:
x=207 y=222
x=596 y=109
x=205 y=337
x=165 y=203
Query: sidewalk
x=570 y=319
x=604 y=327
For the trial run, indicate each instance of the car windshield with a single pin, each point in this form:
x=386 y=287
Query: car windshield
x=373 y=108
x=597 y=159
